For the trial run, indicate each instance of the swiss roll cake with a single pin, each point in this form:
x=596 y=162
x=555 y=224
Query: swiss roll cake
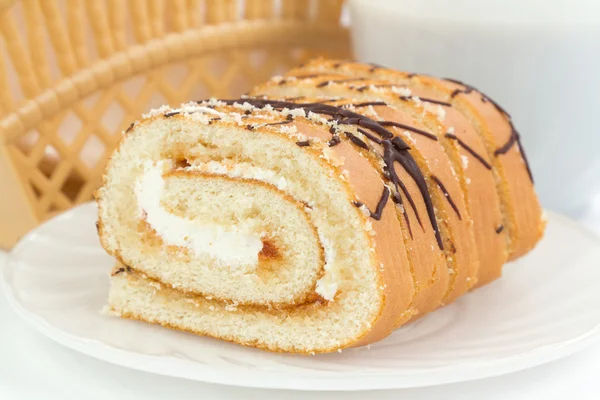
x=322 y=211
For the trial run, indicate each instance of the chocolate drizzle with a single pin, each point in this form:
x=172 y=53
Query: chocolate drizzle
x=130 y=127
x=304 y=143
x=409 y=128
x=325 y=83
x=121 y=270
x=428 y=100
x=330 y=100
x=514 y=134
x=335 y=140
x=515 y=138
x=365 y=87
x=395 y=149
x=456 y=92
x=375 y=67
x=447 y=195
x=369 y=136
x=343 y=62
x=287 y=121
x=356 y=140
x=470 y=150
x=380 y=204
x=171 y=113
x=366 y=104
x=292 y=98
x=308 y=76
x=467 y=88
x=499 y=229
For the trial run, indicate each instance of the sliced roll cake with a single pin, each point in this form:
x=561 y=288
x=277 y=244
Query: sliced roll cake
x=321 y=213
x=241 y=221
x=497 y=141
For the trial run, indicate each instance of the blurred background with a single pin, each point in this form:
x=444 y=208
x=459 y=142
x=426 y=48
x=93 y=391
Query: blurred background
x=75 y=73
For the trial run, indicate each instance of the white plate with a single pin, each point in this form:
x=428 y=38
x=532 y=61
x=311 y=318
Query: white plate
x=545 y=307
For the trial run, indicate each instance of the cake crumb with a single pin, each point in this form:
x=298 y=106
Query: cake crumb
x=402 y=91
x=345 y=175
x=288 y=129
x=465 y=161
x=440 y=112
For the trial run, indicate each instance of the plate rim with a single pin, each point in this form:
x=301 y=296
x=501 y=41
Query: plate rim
x=328 y=381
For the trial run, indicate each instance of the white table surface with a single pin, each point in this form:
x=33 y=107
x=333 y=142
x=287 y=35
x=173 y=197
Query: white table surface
x=34 y=367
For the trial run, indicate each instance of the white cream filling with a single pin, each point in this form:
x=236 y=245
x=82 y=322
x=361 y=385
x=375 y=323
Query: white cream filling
x=328 y=285
x=227 y=244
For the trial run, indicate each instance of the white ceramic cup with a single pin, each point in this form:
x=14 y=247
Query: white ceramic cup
x=539 y=59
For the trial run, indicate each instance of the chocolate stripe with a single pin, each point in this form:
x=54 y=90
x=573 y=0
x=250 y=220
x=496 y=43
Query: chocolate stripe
x=470 y=150
x=409 y=128
x=287 y=121
x=356 y=141
x=447 y=195
x=380 y=204
x=514 y=136
x=369 y=136
x=427 y=100
x=508 y=145
x=366 y=104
